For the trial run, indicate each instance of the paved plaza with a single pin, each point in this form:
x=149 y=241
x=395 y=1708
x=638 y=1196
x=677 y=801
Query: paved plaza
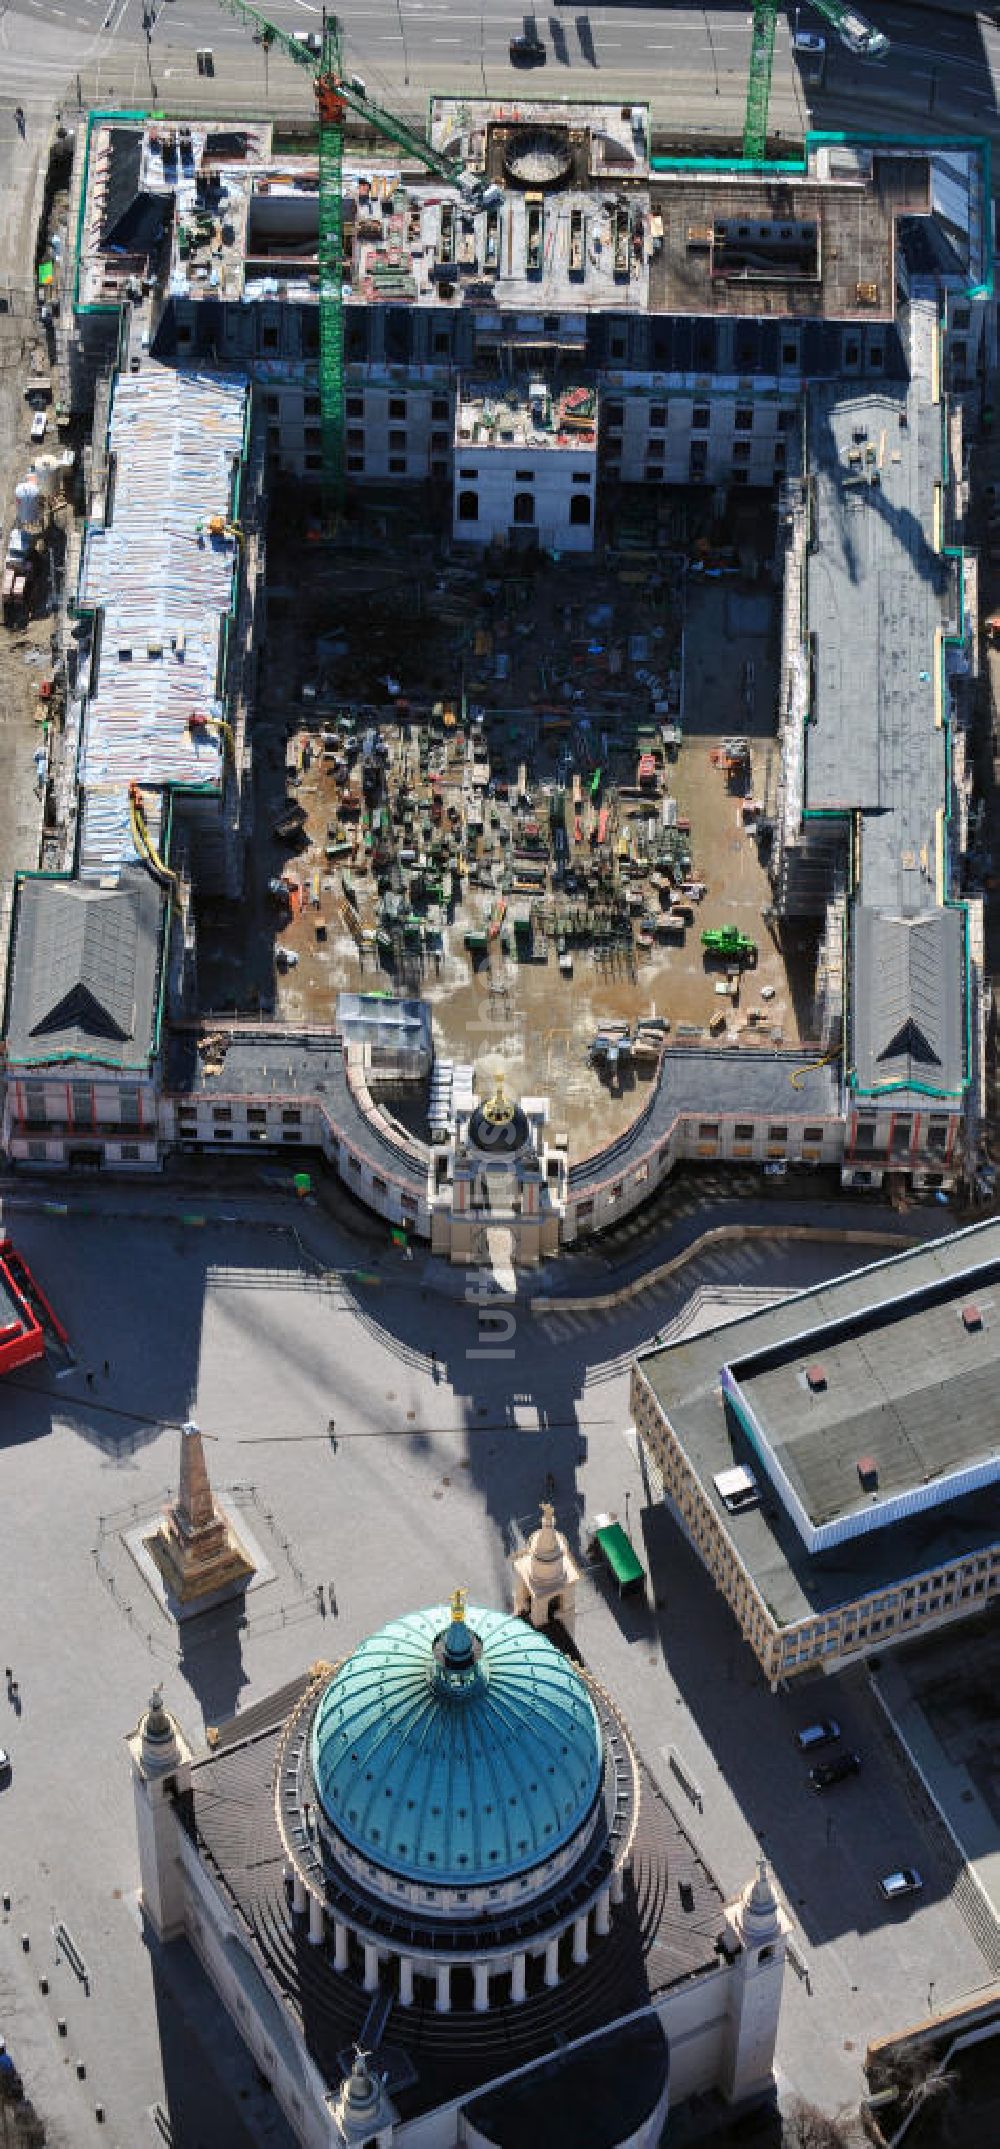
x=438 y=1459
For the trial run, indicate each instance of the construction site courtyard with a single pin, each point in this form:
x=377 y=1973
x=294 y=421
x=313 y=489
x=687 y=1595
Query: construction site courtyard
x=522 y=789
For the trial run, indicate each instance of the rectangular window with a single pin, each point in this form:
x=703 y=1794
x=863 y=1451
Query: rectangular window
x=708 y=1130
x=291 y=1116
x=128 y=1105
x=378 y=1185
x=130 y=1152
x=937 y=1134
x=812 y=1134
x=312 y=462
x=743 y=1130
x=271 y=405
x=700 y=417
x=313 y=437
x=355 y=463
x=256 y=1115
x=524 y=477
x=397 y=441
x=37 y=1152
x=311 y=406
x=865 y=1136
x=222 y=1112
x=613 y=413
x=397 y=406
x=397 y=465
x=744 y=417
x=741 y=451
x=34 y=1104
x=223 y=1134
x=355 y=436
x=657 y=415
x=786 y=421
x=269 y=339
x=876 y=357
x=439 y=407
x=777 y=1134
x=440 y=443
x=354 y=406
x=581 y=477
x=83 y=1104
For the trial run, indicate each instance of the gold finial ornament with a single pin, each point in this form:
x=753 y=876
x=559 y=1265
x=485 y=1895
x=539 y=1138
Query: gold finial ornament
x=498 y=1110
x=459 y=1600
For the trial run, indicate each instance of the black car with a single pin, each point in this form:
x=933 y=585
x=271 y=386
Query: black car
x=527 y=52
x=833 y=1771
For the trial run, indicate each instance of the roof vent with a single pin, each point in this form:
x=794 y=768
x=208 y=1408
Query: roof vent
x=972 y=1319
x=816 y=1378
x=868 y=1473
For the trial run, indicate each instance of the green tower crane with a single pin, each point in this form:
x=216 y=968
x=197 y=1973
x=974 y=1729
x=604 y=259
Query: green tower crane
x=765 y=17
x=335 y=97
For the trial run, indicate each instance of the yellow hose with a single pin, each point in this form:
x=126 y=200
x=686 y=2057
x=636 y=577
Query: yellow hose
x=796 y=1077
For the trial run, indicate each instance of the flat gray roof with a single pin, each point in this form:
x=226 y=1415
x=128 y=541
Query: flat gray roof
x=908 y=1388
x=940 y=1410
x=880 y=598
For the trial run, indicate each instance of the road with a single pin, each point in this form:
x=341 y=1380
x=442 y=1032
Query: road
x=691 y=63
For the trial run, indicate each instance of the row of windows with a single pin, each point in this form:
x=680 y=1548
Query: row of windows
x=745 y=1130
x=701 y=417
x=524 y=508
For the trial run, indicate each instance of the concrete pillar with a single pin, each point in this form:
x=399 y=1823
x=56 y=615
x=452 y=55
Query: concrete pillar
x=517 y=1973
x=602 y=1912
x=443 y=2000
x=552 y=1963
x=317 y=1922
x=340 y=1948
x=580 y=1938
x=405 y=1981
x=371 y=1967
x=298 y=1892
x=618 y=1884
x=481 y=1987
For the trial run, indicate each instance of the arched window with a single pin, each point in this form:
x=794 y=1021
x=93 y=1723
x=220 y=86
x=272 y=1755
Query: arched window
x=579 y=508
x=524 y=507
x=468 y=507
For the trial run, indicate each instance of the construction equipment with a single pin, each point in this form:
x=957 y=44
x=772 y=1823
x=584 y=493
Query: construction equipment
x=337 y=95
x=729 y=943
x=853 y=31
x=765 y=16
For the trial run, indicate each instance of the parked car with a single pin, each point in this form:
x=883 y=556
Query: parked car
x=822 y=1733
x=6 y=1770
x=906 y=1881
x=527 y=51
x=836 y=1770
x=808 y=41
x=39 y=425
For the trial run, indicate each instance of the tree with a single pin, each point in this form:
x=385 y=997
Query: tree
x=806 y=2127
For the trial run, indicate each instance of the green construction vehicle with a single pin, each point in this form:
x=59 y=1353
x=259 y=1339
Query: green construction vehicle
x=729 y=943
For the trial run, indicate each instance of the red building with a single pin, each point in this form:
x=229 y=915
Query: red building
x=25 y=1313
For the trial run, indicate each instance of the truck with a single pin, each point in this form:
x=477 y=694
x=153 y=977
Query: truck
x=727 y=942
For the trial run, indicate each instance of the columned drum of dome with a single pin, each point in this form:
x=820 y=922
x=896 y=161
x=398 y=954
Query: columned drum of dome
x=457 y=1748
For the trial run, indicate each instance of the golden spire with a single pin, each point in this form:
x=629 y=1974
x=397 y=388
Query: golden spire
x=459 y=1600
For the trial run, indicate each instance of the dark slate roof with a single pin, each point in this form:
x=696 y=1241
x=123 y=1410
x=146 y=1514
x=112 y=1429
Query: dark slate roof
x=85 y=970
x=907 y=1027
x=664 y=1933
x=123 y=174
x=600 y=2093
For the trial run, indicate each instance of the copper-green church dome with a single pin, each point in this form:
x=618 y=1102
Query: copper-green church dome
x=457 y=1746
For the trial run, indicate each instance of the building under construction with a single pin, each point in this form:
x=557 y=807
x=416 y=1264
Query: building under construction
x=563 y=364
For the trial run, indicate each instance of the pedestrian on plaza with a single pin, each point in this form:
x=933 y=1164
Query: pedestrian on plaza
x=107 y=1367
x=20 y=121
x=90 y=1379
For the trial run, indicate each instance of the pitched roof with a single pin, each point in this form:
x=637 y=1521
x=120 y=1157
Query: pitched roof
x=907 y=1026
x=85 y=970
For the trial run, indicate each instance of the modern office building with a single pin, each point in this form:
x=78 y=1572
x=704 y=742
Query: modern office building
x=832 y=1458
